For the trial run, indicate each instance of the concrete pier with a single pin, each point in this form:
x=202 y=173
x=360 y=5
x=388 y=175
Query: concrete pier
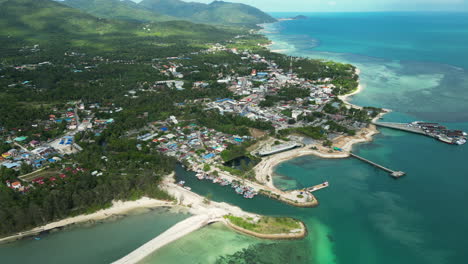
x=401 y=126
x=394 y=174
x=177 y=231
x=317 y=187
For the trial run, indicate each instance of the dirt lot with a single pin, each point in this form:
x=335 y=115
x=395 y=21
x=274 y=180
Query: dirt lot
x=46 y=173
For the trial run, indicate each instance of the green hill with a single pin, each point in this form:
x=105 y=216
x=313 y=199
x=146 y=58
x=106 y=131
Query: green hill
x=40 y=19
x=218 y=12
x=118 y=9
x=51 y=23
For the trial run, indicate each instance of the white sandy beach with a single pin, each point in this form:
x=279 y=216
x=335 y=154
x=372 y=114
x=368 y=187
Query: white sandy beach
x=118 y=208
x=204 y=213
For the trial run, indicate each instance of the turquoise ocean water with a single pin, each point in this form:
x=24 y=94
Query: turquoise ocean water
x=413 y=63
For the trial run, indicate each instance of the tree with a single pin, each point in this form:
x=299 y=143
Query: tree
x=327 y=143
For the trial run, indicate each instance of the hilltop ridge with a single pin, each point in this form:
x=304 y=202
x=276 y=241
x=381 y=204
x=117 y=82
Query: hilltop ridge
x=218 y=12
x=118 y=9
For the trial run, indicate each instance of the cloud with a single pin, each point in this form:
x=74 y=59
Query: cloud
x=332 y=3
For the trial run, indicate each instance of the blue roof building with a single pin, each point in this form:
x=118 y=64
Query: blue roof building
x=209 y=156
x=11 y=165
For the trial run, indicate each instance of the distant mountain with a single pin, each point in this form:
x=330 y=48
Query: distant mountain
x=52 y=23
x=118 y=9
x=218 y=12
x=42 y=18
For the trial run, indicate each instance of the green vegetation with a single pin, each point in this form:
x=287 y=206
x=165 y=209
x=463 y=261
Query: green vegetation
x=126 y=10
x=339 y=128
x=266 y=225
x=309 y=131
x=232 y=124
x=99 y=61
x=237 y=151
x=58 y=28
x=267 y=253
x=206 y=167
x=285 y=94
x=127 y=175
x=233 y=152
x=218 y=12
x=343 y=76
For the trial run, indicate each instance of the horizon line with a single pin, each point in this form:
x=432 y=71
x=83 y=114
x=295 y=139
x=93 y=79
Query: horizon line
x=376 y=11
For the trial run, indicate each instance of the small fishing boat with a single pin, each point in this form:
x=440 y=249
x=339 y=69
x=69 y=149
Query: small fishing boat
x=181 y=183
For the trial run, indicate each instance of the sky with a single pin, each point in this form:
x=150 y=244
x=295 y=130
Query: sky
x=352 y=5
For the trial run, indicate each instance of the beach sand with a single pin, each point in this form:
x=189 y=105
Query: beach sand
x=117 y=208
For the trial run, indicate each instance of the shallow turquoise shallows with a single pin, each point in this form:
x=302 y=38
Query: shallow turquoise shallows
x=101 y=242
x=413 y=63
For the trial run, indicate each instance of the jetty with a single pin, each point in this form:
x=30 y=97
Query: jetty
x=434 y=130
x=402 y=126
x=317 y=187
x=394 y=174
x=177 y=231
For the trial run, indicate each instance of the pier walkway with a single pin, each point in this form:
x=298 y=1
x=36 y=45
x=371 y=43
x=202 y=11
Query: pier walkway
x=394 y=174
x=317 y=187
x=401 y=126
x=175 y=232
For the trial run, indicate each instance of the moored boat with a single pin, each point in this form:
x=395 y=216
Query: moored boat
x=445 y=139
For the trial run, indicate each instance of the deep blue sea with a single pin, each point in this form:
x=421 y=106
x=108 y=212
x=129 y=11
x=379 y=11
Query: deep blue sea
x=413 y=63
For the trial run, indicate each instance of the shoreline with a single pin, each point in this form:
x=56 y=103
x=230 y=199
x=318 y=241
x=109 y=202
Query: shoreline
x=204 y=213
x=264 y=170
x=117 y=208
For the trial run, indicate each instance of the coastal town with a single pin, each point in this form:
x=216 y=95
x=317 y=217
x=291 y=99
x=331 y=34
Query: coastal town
x=227 y=115
x=299 y=112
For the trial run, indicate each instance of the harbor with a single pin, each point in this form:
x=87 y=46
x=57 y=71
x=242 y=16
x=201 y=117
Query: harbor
x=434 y=130
x=246 y=188
x=241 y=189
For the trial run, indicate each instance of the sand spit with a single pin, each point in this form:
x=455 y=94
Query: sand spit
x=118 y=208
x=205 y=212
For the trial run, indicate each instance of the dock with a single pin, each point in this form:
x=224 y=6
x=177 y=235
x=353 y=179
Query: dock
x=401 y=126
x=317 y=187
x=394 y=174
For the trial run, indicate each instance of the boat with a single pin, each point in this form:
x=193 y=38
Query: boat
x=445 y=139
x=460 y=141
x=225 y=182
x=181 y=183
x=187 y=188
x=249 y=194
x=239 y=190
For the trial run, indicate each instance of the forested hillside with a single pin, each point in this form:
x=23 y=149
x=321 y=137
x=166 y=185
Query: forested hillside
x=218 y=12
x=118 y=9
